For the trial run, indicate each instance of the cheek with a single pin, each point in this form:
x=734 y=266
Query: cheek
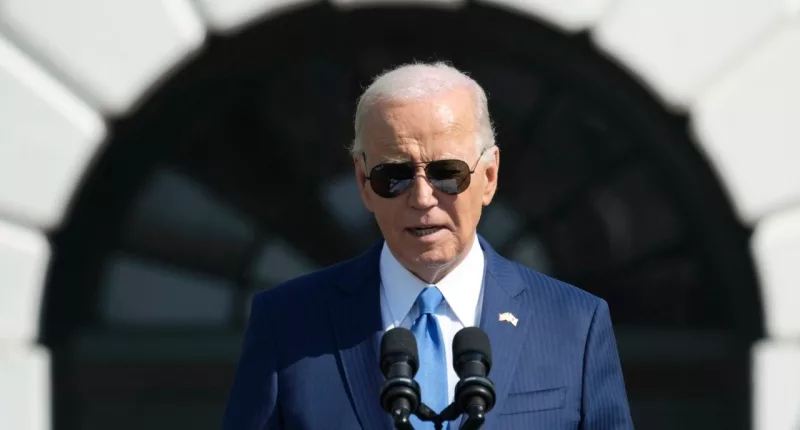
x=387 y=212
x=465 y=213
x=463 y=208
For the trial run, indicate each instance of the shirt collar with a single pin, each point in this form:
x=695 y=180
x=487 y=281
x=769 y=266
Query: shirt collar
x=461 y=288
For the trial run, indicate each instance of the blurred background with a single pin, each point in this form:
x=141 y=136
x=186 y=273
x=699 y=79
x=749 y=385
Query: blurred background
x=161 y=161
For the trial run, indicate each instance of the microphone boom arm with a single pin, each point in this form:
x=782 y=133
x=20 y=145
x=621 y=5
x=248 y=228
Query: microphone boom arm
x=425 y=413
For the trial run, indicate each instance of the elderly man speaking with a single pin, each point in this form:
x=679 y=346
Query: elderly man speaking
x=426 y=164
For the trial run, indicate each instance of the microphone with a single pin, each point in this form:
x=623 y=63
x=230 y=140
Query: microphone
x=399 y=362
x=472 y=361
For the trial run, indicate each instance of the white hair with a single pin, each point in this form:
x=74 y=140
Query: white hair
x=418 y=81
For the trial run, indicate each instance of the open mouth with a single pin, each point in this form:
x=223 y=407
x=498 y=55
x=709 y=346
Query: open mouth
x=424 y=231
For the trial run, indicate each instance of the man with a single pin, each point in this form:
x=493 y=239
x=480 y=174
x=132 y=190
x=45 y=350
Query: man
x=426 y=164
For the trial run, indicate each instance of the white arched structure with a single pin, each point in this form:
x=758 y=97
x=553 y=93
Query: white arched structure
x=65 y=66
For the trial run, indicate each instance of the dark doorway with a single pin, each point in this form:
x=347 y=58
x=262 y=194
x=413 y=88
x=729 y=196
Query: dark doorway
x=234 y=176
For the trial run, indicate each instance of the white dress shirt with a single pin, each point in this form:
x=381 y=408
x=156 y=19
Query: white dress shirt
x=462 y=290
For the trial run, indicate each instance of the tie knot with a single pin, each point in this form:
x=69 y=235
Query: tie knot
x=429 y=299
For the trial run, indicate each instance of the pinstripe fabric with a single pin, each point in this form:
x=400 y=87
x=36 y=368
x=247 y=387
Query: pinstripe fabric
x=357 y=326
x=559 y=367
x=310 y=356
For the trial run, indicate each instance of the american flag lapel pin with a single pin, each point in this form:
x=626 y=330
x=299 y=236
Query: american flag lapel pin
x=509 y=318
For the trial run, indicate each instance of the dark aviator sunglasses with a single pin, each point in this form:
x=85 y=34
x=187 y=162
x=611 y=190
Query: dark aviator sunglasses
x=452 y=177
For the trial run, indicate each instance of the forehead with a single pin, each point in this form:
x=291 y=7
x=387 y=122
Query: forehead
x=436 y=127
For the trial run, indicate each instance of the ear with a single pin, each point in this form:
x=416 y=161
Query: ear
x=491 y=173
x=361 y=180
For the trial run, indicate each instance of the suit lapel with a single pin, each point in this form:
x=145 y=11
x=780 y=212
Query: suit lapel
x=357 y=324
x=502 y=288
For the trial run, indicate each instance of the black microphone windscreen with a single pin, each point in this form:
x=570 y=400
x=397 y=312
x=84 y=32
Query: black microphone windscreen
x=399 y=342
x=472 y=340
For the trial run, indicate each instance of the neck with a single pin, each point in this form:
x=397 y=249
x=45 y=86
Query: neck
x=433 y=274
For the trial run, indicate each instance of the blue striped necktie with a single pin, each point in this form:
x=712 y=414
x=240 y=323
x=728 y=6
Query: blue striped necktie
x=432 y=375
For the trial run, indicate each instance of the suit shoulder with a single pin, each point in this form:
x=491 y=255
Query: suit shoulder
x=559 y=293
x=307 y=286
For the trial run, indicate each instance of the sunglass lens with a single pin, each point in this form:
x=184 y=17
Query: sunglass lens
x=391 y=179
x=449 y=176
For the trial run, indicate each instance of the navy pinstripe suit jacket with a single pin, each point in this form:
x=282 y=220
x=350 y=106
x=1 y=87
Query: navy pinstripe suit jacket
x=310 y=354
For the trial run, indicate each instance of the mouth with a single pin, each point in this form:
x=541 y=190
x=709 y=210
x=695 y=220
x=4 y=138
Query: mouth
x=424 y=231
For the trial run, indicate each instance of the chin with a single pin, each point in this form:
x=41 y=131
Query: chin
x=436 y=256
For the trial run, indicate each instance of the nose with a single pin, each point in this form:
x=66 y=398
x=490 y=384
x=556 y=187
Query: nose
x=421 y=194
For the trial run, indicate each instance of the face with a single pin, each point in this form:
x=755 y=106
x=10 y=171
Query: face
x=427 y=230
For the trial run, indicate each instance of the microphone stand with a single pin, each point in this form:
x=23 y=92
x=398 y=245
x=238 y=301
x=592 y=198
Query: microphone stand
x=475 y=419
x=424 y=413
x=476 y=416
x=401 y=422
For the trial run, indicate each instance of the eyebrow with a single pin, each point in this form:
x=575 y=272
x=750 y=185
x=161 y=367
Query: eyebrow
x=405 y=159
x=394 y=159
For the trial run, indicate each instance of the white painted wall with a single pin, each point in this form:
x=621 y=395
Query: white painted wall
x=25 y=391
x=64 y=65
x=231 y=16
x=776 y=383
x=24 y=256
x=112 y=52
x=747 y=122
